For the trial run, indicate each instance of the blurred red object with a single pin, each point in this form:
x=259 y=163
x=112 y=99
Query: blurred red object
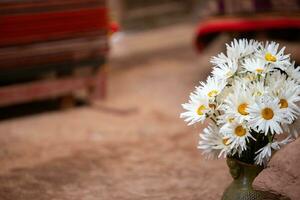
x=114 y=27
x=34 y=27
x=52 y=37
x=208 y=29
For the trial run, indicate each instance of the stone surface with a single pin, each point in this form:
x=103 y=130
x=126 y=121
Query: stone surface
x=282 y=175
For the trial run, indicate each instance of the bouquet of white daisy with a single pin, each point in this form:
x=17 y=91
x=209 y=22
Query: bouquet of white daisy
x=250 y=99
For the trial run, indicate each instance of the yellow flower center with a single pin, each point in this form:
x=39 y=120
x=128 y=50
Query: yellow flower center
x=283 y=103
x=240 y=131
x=267 y=113
x=269 y=57
x=212 y=106
x=259 y=70
x=228 y=74
x=231 y=119
x=250 y=78
x=242 y=109
x=200 y=109
x=225 y=141
x=258 y=93
x=212 y=93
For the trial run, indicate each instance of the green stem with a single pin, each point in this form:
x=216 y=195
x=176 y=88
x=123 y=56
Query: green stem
x=270 y=138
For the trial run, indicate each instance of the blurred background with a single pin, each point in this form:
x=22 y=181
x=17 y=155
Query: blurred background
x=91 y=92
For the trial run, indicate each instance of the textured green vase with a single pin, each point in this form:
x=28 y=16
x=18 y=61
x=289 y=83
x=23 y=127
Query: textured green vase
x=241 y=187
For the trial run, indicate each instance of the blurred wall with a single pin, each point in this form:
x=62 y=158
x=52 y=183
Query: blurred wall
x=138 y=14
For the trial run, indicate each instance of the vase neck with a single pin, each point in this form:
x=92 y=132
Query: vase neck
x=243 y=172
x=248 y=174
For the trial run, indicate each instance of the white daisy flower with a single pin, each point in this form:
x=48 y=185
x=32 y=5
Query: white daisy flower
x=245 y=78
x=271 y=54
x=225 y=70
x=211 y=88
x=241 y=48
x=212 y=143
x=225 y=119
x=266 y=116
x=293 y=129
x=237 y=134
x=264 y=154
x=288 y=96
x=275 y=81
x=252 y=95
x=220 y=59
x=293 y=72
x=223 y=95
x=197 y=109
x=256 y=66
x=237 y=103
x=284 y=142
x=258 y=89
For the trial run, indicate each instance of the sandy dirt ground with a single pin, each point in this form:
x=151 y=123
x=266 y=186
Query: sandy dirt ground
x=132 y=146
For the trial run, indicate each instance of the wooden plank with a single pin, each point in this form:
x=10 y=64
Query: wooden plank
x=98 y=39
x=73 y=50
x=98 y=85
x=11 y=76
x=38 y=90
